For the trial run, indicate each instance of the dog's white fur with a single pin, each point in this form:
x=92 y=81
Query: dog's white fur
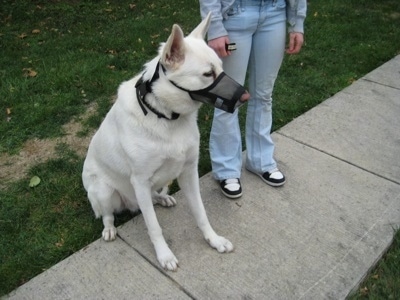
x=133 y=156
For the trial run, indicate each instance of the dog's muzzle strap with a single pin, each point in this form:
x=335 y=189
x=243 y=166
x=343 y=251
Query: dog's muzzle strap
x=142 y=89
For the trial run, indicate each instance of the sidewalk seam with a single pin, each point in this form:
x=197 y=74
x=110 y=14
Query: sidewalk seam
x=180 y=287
x=385 y=85
x=341 y=159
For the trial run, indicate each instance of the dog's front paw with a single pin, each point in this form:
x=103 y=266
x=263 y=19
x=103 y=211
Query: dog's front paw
x=221 y=244
x=109 y=233
x=168 y=261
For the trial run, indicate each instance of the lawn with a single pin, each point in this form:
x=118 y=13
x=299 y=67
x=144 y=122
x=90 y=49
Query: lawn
x=60 y=58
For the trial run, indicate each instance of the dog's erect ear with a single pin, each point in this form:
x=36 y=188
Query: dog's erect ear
x=174 y=50
x=201 y=29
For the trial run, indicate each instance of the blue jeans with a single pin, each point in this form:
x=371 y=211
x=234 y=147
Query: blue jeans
x=258 y=27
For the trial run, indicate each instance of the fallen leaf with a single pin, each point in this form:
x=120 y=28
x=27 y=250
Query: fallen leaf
x=351 y=80
x=35 y=181
x=60 y=243
x=364 y=291
x=22 y=35
x=29 y=72
x=8 y=112
x=35 y=31
x=132 y=6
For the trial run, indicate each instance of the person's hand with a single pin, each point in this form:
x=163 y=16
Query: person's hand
x=218 y=45
x=296 y=40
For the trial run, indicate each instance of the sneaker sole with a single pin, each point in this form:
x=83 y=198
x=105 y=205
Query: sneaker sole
x=231 y=196
x=266 y=181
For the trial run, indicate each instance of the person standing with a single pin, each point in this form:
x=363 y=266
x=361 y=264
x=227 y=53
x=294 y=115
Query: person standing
x=258 y=27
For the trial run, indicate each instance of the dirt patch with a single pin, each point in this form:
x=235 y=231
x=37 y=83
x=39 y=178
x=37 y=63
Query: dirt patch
x=36 y=151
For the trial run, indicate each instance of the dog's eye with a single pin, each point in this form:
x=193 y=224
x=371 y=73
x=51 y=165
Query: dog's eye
x=209 y=74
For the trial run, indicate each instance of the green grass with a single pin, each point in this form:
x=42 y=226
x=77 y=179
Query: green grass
x=82 y=50
x=42 y=225
x=383 y=281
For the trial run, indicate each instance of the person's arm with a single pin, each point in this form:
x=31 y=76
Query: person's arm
x=218 y=45
x=217 y=35
x=296 y=40
x=296 y=16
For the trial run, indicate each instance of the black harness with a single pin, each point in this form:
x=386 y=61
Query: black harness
x=143 y=88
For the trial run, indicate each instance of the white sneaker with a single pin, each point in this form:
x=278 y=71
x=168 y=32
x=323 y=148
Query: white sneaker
x=231 y=188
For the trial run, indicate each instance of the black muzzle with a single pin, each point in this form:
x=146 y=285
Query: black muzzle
x=224 y=93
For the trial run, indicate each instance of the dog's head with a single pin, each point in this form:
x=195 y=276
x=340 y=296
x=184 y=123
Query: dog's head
x=190 y=65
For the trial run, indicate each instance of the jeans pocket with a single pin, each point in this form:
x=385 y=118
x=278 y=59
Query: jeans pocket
x=280 y=4
x=233 y=10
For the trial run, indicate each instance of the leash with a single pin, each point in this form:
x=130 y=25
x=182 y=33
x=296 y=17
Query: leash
x=143 y=88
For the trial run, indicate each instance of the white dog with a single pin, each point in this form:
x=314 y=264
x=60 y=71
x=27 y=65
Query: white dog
x=150 y=137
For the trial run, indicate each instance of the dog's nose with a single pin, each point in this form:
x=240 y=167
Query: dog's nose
x=245 y=97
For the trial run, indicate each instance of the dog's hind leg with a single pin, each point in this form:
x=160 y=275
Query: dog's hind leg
x=161 y=197
x=109 y=232
x=105 y=201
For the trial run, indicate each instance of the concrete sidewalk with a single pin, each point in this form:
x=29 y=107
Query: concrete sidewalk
x=314 y=238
